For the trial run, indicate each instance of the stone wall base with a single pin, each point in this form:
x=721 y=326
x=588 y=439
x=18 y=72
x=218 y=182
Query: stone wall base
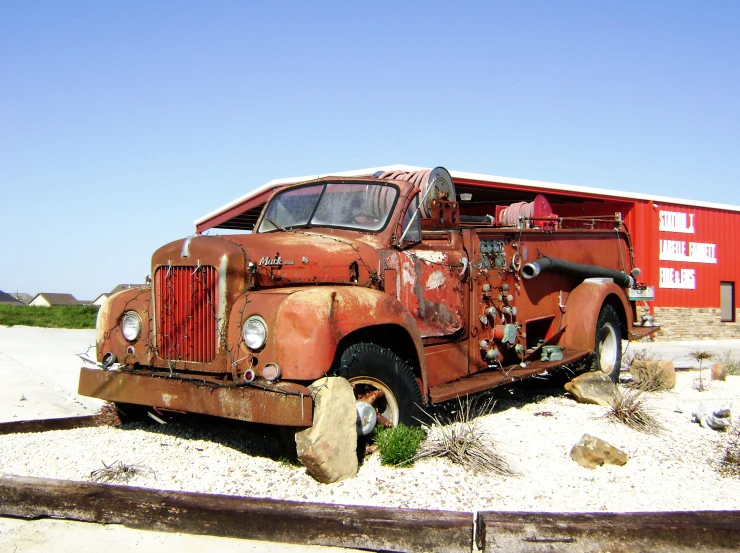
x=694 y=323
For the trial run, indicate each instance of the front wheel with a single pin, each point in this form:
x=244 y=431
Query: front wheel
x=382 y=379
x=608 y=345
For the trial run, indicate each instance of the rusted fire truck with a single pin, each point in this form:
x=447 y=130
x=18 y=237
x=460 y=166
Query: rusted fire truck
x=380 y=280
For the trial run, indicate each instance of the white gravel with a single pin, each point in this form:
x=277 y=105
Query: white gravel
x=673 y=471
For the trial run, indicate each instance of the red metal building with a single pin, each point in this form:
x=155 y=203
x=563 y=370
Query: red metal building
x=685 y=248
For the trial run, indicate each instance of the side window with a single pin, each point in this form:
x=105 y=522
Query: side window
x=727 y=302
x=413 y=234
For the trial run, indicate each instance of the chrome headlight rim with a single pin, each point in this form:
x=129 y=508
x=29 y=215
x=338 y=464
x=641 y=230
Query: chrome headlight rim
x=131 y=326
x=254 y=332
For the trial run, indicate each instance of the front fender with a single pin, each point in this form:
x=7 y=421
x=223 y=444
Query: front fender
x=108 y=337
x=311 y=322
x=582 y=312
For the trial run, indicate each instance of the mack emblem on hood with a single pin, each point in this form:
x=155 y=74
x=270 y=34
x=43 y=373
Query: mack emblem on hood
x=269 y=262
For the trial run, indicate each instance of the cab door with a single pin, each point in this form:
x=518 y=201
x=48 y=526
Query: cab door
x=432 y=283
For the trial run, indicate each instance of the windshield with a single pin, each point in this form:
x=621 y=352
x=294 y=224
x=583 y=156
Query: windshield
x=359 y=206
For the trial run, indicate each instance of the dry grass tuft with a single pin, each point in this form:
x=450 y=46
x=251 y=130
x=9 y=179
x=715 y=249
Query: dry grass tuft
x=654 y=380
x=631 y=409
x=732 y=364
x=118 y=472
x=729 y=464
x=463 y=442
x=633 y=354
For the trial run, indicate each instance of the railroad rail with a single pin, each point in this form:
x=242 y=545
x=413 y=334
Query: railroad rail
x=371 y=528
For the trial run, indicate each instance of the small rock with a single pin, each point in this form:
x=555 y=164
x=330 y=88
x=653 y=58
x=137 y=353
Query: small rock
x=592 y=387
x=662 y=372
x=328 y=449
x=592 y=452
x=719 y=371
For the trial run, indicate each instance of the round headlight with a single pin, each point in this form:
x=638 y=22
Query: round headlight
x=255 y=332
x=131 y=325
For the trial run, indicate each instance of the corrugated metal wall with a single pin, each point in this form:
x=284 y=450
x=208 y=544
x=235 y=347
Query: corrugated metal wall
x=685 y=251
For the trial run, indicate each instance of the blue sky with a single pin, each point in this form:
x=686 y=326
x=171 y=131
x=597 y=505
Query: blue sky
x=123 y=122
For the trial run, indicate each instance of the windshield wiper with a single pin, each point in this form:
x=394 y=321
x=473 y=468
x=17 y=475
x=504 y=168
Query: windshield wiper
x=274 y=224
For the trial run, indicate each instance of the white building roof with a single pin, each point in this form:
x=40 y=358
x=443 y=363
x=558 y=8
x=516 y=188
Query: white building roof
x=276 y=183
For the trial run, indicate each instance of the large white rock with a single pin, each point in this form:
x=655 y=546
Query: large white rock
x=328 y=449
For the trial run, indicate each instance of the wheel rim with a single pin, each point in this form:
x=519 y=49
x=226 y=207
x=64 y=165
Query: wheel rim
x=607 y=351
x=380 y=396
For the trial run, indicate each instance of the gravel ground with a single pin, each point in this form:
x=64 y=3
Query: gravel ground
x=672 y=471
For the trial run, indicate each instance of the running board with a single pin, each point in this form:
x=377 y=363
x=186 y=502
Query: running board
x=504 y=375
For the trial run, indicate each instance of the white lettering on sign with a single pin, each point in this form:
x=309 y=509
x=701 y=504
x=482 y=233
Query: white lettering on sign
x=696 y=252
x=677 y=278
x=676 y=221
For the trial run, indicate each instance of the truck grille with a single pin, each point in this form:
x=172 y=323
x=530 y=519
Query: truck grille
x=187 y=313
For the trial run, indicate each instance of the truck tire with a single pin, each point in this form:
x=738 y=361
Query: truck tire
x=608 y=345
x=384 y=380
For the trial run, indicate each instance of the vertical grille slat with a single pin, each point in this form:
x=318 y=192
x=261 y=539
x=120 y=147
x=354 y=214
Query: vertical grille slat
x=187 y=321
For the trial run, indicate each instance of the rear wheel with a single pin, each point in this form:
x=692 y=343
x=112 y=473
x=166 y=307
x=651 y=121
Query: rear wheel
x=382 y=379
x=608 y=345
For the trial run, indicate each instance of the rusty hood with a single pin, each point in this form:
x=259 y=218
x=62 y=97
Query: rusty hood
x=277 y=259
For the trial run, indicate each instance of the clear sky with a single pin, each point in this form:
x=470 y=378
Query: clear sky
x=121 y=122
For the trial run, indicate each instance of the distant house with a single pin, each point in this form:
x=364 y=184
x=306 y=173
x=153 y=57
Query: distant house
x=25 y=298
x=100 y=300
x=8 y=299
x=45 y=299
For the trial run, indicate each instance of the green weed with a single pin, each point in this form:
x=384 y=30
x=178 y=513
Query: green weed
x=398 y=444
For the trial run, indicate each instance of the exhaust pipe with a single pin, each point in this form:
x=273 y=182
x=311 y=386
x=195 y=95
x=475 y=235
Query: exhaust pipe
x=534 y=268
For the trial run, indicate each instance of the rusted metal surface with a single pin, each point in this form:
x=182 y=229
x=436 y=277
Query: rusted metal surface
x=642 y=332
x=452 y=301
x=491 y=378
x=311 y=322
x=582 y=310
x=371 y=528
x=186 y=303
x=285 y=404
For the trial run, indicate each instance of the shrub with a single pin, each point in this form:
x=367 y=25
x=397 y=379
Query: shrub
x=463 y=442
x=732 y=364
x=649 y=376
x=633 y=354
x=631 y=409
x=701 y=355
x=398 y=445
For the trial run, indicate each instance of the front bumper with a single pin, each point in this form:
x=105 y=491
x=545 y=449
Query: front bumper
x=283 y=404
